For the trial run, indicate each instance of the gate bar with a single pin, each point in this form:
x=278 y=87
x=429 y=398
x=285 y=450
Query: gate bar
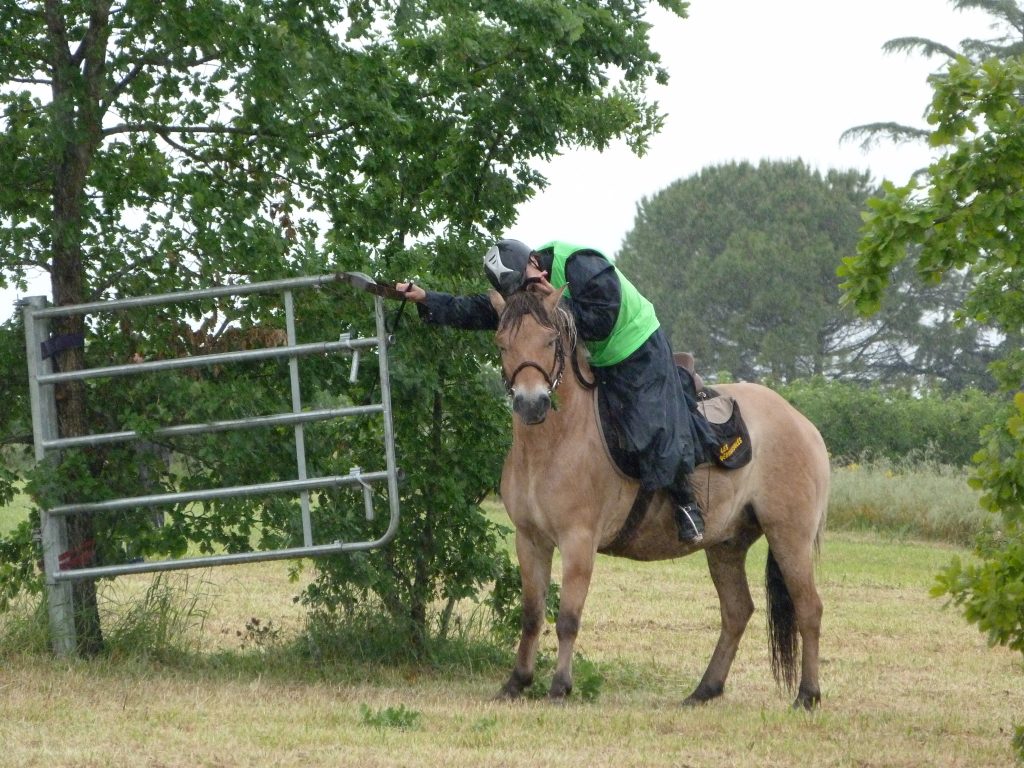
x=300 y=433
x=317 y=550
x=182 y=430
x=210 y=494
x=64 y=310
x=194 y=361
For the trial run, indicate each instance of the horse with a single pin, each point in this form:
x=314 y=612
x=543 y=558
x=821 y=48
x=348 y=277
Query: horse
x=561 y=489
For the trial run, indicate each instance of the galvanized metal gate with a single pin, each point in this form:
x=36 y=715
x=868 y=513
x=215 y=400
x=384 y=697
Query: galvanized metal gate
x=42 y=381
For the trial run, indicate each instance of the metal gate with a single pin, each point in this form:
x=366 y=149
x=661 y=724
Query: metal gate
x=42 y=381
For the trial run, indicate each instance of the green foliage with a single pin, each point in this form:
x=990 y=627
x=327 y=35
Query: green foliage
x=199 y=143
x=398 y=717
x=749 y=252
x=991 y=593
x=587 y=678
x=895 y=424
x=18 y=572
x=964 y=218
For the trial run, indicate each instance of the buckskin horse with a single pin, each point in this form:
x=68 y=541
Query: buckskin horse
x=561 y=489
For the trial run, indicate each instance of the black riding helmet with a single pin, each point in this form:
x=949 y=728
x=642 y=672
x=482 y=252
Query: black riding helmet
x=505 y=263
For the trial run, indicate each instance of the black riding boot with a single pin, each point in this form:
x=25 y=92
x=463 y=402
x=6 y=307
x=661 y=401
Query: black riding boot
x=689 y=518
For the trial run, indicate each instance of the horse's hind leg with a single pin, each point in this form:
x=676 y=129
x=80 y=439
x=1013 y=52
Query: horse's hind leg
x=535 y=568
x=804 y=608
x=728 y=572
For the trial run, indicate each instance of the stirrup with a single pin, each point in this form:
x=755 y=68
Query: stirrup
x=690 y=523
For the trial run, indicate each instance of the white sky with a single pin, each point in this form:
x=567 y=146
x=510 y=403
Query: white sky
x=749 y=80
x=753 y=80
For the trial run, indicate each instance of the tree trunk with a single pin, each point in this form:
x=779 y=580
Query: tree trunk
x=77 y=84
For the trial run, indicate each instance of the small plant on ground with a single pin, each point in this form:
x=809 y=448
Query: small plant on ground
x=260 y=636
x=392 y=717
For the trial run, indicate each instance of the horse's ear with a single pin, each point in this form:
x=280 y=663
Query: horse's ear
x=552 y=299
x=497 y=301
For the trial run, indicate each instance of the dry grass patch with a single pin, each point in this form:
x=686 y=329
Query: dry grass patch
x=905 y=683
x=917 y=499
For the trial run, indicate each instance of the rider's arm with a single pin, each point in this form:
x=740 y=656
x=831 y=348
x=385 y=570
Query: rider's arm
x=468 y=313
x=596 y=294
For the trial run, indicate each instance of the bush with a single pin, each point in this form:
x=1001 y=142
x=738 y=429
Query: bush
x=895 y=424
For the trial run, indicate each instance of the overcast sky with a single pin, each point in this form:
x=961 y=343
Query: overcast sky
x=749 y=80
x=753 y=80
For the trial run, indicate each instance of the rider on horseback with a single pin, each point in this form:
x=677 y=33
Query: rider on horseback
x=629 y=355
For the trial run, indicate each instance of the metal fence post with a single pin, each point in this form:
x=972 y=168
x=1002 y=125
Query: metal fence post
x=53 y=528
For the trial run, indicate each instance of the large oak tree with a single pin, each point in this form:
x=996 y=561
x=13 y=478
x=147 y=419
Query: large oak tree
x=149 y=147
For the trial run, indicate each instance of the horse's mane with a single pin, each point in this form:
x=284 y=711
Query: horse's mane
x=523 y=303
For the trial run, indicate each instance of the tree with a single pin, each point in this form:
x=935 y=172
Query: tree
x=1008 y=42
x=740 y=262
x=150 y=147
x=967 y=215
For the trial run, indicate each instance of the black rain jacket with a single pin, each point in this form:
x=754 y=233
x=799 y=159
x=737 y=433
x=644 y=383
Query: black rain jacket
x=642 y=394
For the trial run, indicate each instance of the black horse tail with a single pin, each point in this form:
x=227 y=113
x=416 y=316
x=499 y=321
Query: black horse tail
x=782 y=630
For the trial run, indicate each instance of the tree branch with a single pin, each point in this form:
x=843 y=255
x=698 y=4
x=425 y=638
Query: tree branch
x=154 y=60
x=58 y=34
x=183 y=129
x=99 y=16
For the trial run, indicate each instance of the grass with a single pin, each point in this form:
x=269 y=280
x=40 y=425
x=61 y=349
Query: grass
x=12 y=514
x=905 y=683
x=230 y=677
x=919 y=499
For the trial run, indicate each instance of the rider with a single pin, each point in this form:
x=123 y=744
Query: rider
x=629 y=354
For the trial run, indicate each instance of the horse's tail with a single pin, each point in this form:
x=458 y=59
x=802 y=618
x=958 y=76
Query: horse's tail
x=782 y=630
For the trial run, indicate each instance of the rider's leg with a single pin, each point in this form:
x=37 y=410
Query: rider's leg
x=689 y=517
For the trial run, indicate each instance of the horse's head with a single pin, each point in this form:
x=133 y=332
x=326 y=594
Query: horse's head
x=532 y=340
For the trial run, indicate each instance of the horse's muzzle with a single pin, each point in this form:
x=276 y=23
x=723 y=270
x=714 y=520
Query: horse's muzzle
x=531 y=408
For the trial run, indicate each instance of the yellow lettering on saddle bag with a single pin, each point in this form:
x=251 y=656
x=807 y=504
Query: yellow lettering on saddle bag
x=723 y=416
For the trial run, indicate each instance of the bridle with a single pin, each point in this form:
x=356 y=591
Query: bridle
x=552 y=378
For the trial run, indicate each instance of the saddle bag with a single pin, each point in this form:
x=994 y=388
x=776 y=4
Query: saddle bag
x=718 y=425
x=732 y=440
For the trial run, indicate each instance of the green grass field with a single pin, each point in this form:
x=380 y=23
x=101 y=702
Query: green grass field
x=905 y=681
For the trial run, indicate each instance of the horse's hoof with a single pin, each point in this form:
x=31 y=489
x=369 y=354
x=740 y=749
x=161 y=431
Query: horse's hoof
x=514 y=686
x=559 y=691
x=807 y=701
x=702 y=696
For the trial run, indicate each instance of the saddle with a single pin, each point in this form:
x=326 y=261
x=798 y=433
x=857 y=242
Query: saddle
x=720 y=434
x=728 y=444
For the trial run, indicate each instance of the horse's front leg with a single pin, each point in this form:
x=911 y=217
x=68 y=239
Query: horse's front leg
x=578 y=552
x=535 y=569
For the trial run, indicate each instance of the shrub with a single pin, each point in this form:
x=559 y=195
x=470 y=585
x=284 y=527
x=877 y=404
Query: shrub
x=895 y=424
